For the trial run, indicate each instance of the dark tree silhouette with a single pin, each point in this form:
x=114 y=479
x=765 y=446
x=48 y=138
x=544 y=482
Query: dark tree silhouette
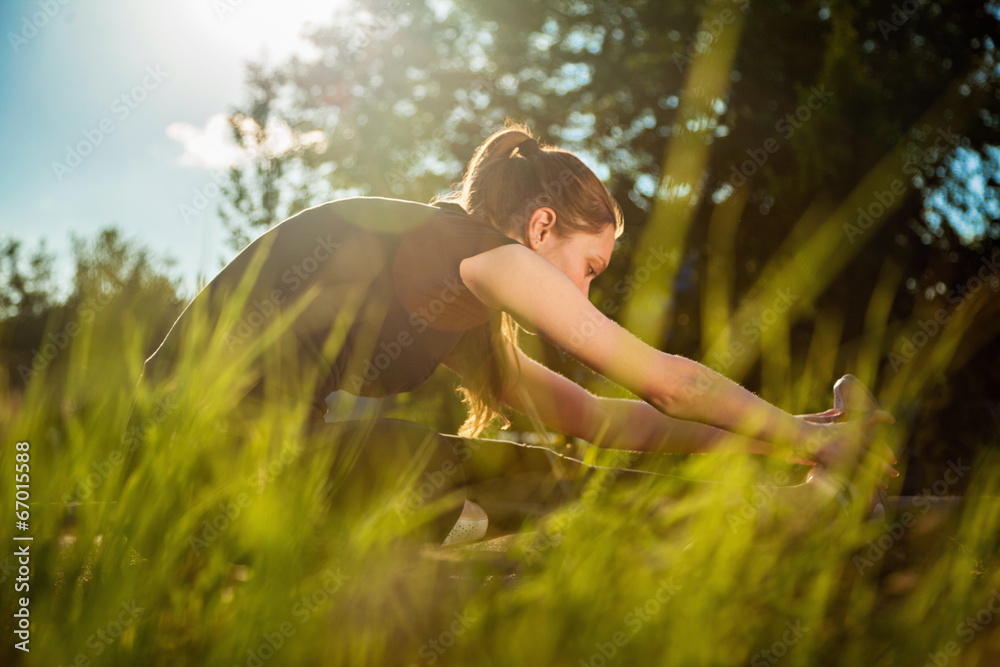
x=819 y=96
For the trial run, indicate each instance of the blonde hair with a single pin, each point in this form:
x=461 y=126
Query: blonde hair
x=509 y=177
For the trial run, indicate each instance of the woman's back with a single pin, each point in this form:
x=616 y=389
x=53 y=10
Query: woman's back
x=365 y=292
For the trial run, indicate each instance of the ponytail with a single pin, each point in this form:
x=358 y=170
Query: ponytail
x=510 y=176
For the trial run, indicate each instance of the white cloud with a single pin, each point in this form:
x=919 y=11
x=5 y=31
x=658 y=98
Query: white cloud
x=213 y=146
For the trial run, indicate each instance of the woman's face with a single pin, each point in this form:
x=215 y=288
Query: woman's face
x=582 y=256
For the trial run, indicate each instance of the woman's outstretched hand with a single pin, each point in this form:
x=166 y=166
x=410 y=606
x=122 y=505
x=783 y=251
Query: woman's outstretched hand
x=839 y=445
x=831 y=415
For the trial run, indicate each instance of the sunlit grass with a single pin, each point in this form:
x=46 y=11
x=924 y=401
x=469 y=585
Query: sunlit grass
x=217 y=549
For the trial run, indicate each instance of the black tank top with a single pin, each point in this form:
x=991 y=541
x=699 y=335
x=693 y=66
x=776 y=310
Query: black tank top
x=368 y=290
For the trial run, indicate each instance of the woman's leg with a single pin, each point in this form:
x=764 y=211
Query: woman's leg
x=514 y=482
x=511 y=481
x=393 y=466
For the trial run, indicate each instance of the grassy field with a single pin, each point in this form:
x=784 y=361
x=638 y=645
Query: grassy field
x=203 y=546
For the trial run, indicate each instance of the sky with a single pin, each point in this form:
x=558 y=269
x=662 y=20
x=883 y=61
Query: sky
x=113 y=113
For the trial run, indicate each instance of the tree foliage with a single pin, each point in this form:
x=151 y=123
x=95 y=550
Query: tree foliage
x=120 y=291
x=27 y=291
x=818 y=96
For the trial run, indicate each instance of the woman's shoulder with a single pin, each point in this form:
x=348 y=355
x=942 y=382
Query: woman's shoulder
x=376 y=214
x=433 y=238
x=395 y=216
x=427 y=266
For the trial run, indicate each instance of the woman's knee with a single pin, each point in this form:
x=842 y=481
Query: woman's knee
x=402 y=468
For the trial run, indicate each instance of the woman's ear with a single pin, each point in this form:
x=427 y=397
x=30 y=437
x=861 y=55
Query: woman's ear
x=541 y=226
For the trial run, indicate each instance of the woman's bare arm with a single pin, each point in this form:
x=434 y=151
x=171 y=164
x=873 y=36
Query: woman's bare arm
x=515 y=279
x=566 y=407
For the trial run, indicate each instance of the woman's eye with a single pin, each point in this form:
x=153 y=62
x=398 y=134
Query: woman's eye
x=590 y=271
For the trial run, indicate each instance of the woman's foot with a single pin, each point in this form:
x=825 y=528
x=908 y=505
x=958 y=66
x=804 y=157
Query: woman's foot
x=852 y=398
x=471 y=525
x=844 y=491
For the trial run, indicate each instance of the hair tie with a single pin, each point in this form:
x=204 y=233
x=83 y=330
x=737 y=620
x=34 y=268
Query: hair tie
x=528 y=147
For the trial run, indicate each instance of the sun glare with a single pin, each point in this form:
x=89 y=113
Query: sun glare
x=250 y=26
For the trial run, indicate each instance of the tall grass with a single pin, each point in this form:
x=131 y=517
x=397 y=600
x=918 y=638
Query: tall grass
x=213 y=543
x=216 y=547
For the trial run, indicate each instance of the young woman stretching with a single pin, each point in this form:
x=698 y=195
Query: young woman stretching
x=376 y=293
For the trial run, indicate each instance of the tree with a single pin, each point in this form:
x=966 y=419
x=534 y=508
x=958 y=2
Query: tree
x=811 y=104
x=25 y=294
x=120 y=291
